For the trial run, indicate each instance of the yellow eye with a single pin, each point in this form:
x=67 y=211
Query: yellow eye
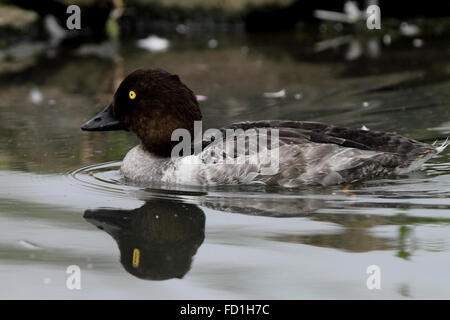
x=132 y=94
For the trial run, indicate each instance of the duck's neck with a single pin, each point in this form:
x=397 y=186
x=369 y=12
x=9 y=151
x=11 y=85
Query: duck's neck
x=156 y=137
x=161 y=150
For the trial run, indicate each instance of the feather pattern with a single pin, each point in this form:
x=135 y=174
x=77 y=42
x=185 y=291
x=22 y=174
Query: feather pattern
x=308 y=153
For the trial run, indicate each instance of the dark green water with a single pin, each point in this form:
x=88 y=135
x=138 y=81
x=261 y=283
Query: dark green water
x=223 y=242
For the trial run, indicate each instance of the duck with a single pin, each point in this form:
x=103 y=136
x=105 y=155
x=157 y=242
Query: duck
x=158 y=108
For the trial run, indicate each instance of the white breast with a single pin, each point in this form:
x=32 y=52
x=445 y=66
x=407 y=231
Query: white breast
x=205 y=168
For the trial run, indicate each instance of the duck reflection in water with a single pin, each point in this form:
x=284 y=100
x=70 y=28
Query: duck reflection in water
x=159 y=240
x=156 y=241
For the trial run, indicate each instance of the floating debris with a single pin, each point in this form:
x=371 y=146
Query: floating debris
x=182 y=28
x=105 y=50
x=298 y=96
x=35 y=96
x=365 y=104
x=364 y=128
x=373 y=48
x=201 y=97
x=354 y=50
x=445 y=128
x=332 y=43
x=212 y=44
x=351 y=14
x=54 y=30
x=154 y=44
x=29 y=245
x=409 y=29
x=22 y=51
x=352 y=11
x=278 y=94
x=418 y=43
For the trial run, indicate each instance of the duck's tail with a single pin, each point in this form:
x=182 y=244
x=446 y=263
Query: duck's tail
x=442 y=147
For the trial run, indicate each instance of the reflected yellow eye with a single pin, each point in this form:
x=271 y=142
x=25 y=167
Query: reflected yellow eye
x=132 y=94
x=136 y=257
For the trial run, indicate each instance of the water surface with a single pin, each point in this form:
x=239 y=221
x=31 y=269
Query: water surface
x=63 y=201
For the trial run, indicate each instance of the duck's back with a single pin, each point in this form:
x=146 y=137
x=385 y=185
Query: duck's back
x=305 y=153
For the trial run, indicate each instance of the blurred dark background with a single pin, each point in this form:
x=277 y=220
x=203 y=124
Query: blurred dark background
x=138 y=17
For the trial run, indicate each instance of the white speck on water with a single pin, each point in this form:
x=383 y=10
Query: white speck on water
x=352 y=11
x=104 y=50
x=212 y=44
x=409 y=29
x=365 y=128
x=445 y=128
x=182 y=28
x=278 y=94
x=157 y=217
x=387 y=40
x=365 y=104
x=55 y=31
x=298 y=96
x=373 y=48
x=417 y=43
x=201 y=97
x=35 y=96
x=354 y=50
x=29 y=245
x=154 y=44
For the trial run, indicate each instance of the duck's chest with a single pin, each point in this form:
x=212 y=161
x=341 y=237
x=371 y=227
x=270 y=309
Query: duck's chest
x=140 y=165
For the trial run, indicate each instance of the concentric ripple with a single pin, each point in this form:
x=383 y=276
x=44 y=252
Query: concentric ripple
x=102 y=177
x=422 y=191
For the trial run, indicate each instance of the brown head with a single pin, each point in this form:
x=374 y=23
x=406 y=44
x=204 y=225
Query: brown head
x=152 y=103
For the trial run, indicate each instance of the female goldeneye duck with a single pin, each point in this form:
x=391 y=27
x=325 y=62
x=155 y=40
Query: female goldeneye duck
x=154 y=103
